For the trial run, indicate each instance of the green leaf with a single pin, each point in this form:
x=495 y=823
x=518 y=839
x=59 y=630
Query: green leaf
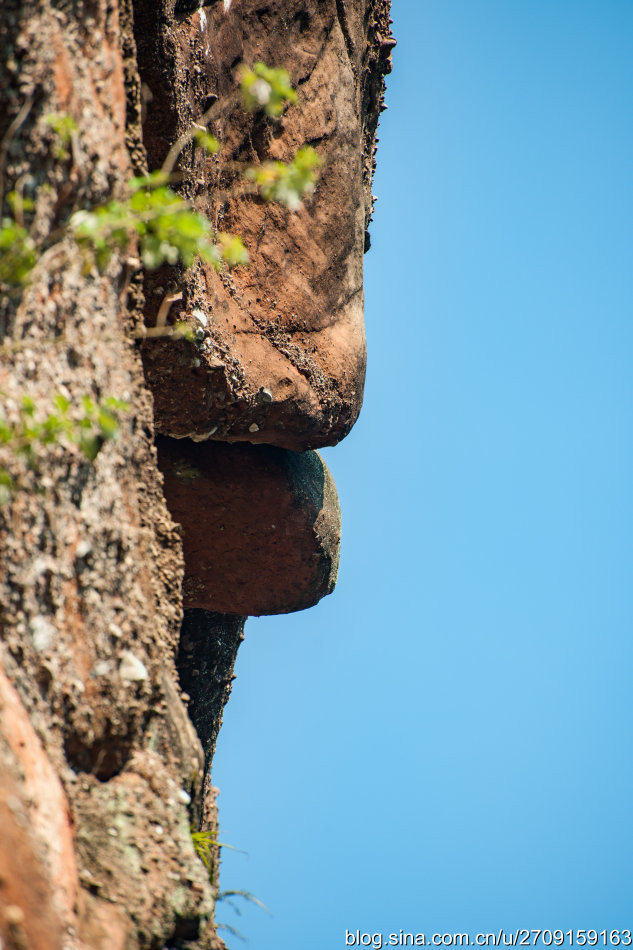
x=111 y=402
x=61 y=402
x=18 y=254
x=207 y=141
x=50 y=429
x=266 y=89
x=6 y=487
x=90 y=445
x=63 y=125
x=183 y=330
x=153 y=180
x=14 y=200
x=108 y=423
x=232 y=250
x=287 y=183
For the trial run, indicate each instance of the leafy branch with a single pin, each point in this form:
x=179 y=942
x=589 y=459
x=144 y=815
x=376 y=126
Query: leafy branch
x=166 y=226
x=265 y=88
x=89 y=428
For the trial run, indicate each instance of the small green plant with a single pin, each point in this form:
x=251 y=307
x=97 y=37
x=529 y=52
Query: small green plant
x=207 y=141
x=18 y=253
x=265 y=88
x=204 y=843
x=166 y=226
x=64 y=127
x=288 y=183
x=88 y=428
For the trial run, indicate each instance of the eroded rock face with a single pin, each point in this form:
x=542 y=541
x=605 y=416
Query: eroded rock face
x=38 y=873
x=91 y=565
x=281 y=354
x=261 y=525
x=102 y=768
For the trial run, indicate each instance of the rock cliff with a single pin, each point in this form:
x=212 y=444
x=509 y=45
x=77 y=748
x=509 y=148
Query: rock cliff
x=128 y=571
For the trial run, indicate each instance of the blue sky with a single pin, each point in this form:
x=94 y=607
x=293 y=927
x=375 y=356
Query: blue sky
x=444 y=744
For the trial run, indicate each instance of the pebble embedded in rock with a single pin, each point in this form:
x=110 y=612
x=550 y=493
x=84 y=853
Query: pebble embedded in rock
x=131 y=668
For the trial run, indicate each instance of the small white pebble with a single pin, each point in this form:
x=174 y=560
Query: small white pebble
x=42 y=633
x=253 y=427
x=113 y=832
x=40 y=566
x=131 y=668
x=200 y=316
x=83 y=548
x=260 y=91
x=102 y=668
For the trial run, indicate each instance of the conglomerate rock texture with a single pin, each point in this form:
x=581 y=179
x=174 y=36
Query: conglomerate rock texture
x=110 y=705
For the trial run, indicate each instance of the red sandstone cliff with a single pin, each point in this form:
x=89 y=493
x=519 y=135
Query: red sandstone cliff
x=105 y=733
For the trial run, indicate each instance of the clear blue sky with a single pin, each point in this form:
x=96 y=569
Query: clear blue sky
x=445 y=743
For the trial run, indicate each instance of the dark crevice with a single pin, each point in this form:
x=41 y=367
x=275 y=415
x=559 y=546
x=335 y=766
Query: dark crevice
x=341 y=13
x=209 y=642
x=155 y=67
x=187 y=7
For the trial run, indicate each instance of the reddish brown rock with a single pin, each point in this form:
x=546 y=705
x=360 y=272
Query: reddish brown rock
x=38 y=874
x=91 y=565
x=281 y=352
x=98 y=794
x=261 y=525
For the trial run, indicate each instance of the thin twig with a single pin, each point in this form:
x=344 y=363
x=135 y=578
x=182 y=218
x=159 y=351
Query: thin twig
x=218 y=107
x=236 y=191
x=165 y=307
x=8 y=138
x=152 y=332
x=223 y=895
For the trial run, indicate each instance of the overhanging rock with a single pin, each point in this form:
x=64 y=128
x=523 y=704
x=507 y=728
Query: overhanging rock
x=280 y=351
x=261 y=525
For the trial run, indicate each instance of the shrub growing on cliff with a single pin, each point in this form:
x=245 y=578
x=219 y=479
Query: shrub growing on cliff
x=265 y=88
x=166 y=229
x=165 y=226
x=87 y=427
